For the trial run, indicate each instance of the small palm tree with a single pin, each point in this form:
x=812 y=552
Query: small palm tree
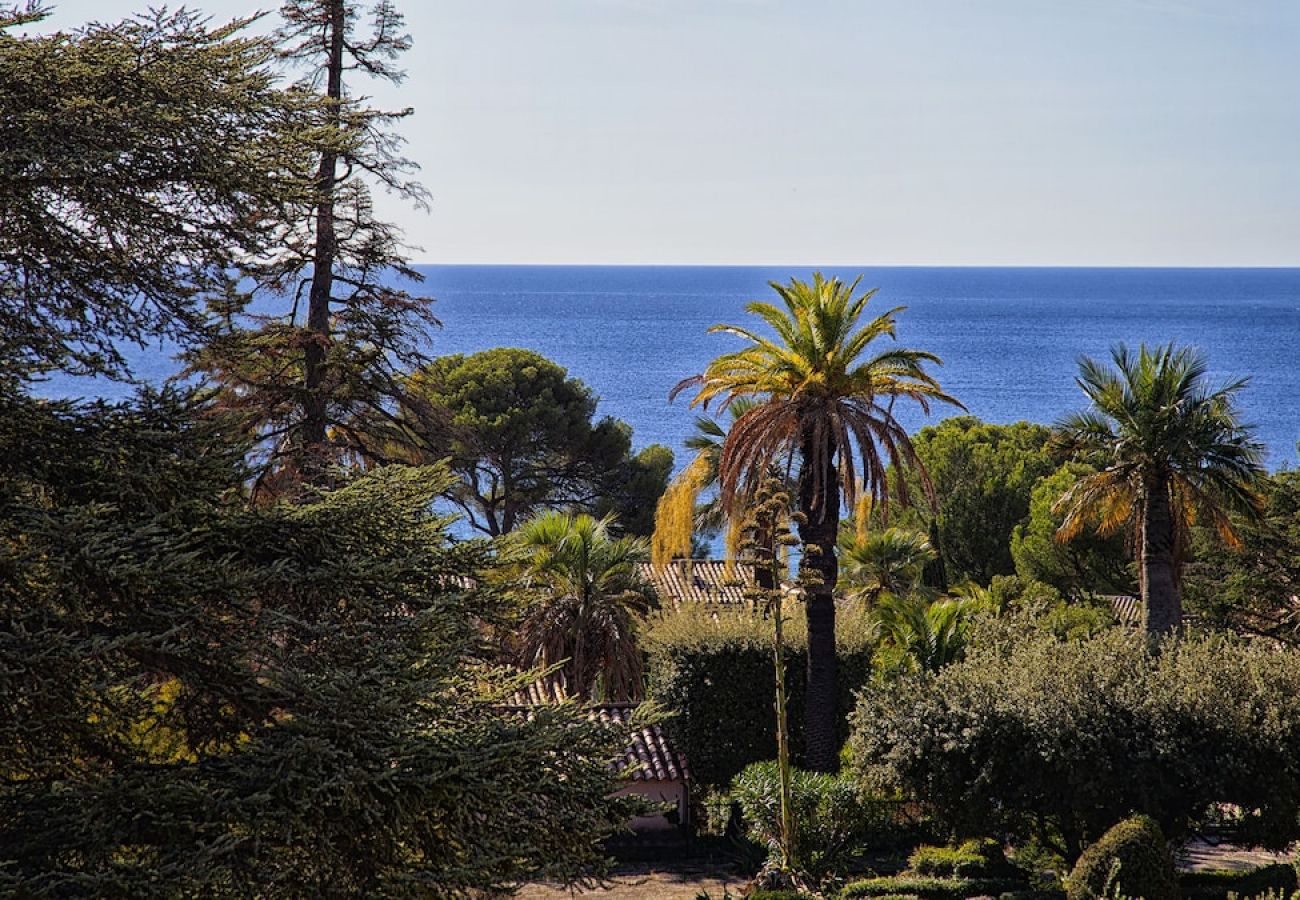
x=919 y=635
x=590 y=599
x=885 y=562
x=1169 y=451
x=822 y=394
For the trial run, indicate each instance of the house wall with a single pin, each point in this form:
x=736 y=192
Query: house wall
x=660 y=793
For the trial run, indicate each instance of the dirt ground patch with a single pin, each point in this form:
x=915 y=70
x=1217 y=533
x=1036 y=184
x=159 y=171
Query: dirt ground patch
x=670 y=881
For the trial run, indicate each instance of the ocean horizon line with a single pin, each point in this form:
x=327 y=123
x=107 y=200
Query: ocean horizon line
x=1295 y=267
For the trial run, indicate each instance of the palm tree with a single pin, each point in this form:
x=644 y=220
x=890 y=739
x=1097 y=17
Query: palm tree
x=819 y=395
x=1168 y=451
x=590 y=599
x=923 y=636
x=886 y=562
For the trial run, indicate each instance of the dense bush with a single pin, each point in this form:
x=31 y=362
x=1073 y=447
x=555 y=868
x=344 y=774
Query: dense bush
x=1218 y=884
x=1031 y=731
x=981 y=858
x=1132 y=859
x=834 y=820
x=201 y=699
x=714 y=676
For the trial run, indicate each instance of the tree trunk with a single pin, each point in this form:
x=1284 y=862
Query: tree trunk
x=325 y=252
x=819 y=501
x=1162 y=604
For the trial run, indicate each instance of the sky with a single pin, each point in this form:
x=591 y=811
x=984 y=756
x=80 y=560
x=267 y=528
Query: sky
x=845 y=132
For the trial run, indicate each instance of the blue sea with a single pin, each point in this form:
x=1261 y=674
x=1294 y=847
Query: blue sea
x=1009 y=338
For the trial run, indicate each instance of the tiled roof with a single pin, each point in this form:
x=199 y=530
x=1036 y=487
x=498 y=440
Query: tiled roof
x=650 y=755
x=1127 y=609
x=698 y=581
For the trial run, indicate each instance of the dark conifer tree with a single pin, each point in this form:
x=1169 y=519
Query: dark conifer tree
x=303 y=377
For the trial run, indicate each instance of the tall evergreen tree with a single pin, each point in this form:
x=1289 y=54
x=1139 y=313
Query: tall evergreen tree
x=302 y=377
x=202 y=699
x=141 y=164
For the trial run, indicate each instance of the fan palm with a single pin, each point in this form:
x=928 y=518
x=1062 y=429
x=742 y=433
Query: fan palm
x=590 y=599
x=1169 y=451
x=820 y=394
x=886 y=562
x=923 y=636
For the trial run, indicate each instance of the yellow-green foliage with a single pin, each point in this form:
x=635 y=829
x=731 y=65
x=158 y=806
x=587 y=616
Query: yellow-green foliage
x=675 y=514
x=972 y=859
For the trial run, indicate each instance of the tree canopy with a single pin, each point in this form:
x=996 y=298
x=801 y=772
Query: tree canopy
x=1087 y=564
x=142 y=165
x=229 y=700
x=983 y=475
x=521 y=435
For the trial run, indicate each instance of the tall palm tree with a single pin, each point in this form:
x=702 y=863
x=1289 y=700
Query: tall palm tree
x=825 y=397
x=892 y=561
x=1169 y=451
x=589 y=601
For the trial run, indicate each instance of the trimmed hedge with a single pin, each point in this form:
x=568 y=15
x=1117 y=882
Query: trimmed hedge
x=1217 y=884
x=1132 y=858
x=972 y=859
x=715 y=679
x=928 y=888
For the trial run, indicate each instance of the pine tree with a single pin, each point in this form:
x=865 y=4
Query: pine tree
x=141 y=164
x=304 y=378
x=198 y=698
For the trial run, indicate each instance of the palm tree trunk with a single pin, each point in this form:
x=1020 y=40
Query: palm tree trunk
x=819 y=501
x=1162 y=604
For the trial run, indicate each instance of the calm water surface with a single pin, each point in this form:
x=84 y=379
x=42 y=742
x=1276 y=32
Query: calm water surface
x=1009 y=338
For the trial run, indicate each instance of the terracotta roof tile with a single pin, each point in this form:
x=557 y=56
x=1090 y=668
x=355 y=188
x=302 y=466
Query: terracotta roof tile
x=699 y=581
x=649 y=756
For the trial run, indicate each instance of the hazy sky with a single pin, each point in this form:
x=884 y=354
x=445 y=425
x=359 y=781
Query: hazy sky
x=984 y=132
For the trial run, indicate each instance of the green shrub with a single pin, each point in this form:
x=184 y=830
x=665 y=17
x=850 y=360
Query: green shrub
x=715 y=679
x=973 y=859
x=928 y=888
x=1079 y=734
x=778 y=895
x=1217 y=884
x=834 y=820
x=1132 y=859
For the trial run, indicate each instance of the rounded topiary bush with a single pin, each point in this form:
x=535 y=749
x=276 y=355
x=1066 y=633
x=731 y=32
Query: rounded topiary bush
x=1132 y=859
